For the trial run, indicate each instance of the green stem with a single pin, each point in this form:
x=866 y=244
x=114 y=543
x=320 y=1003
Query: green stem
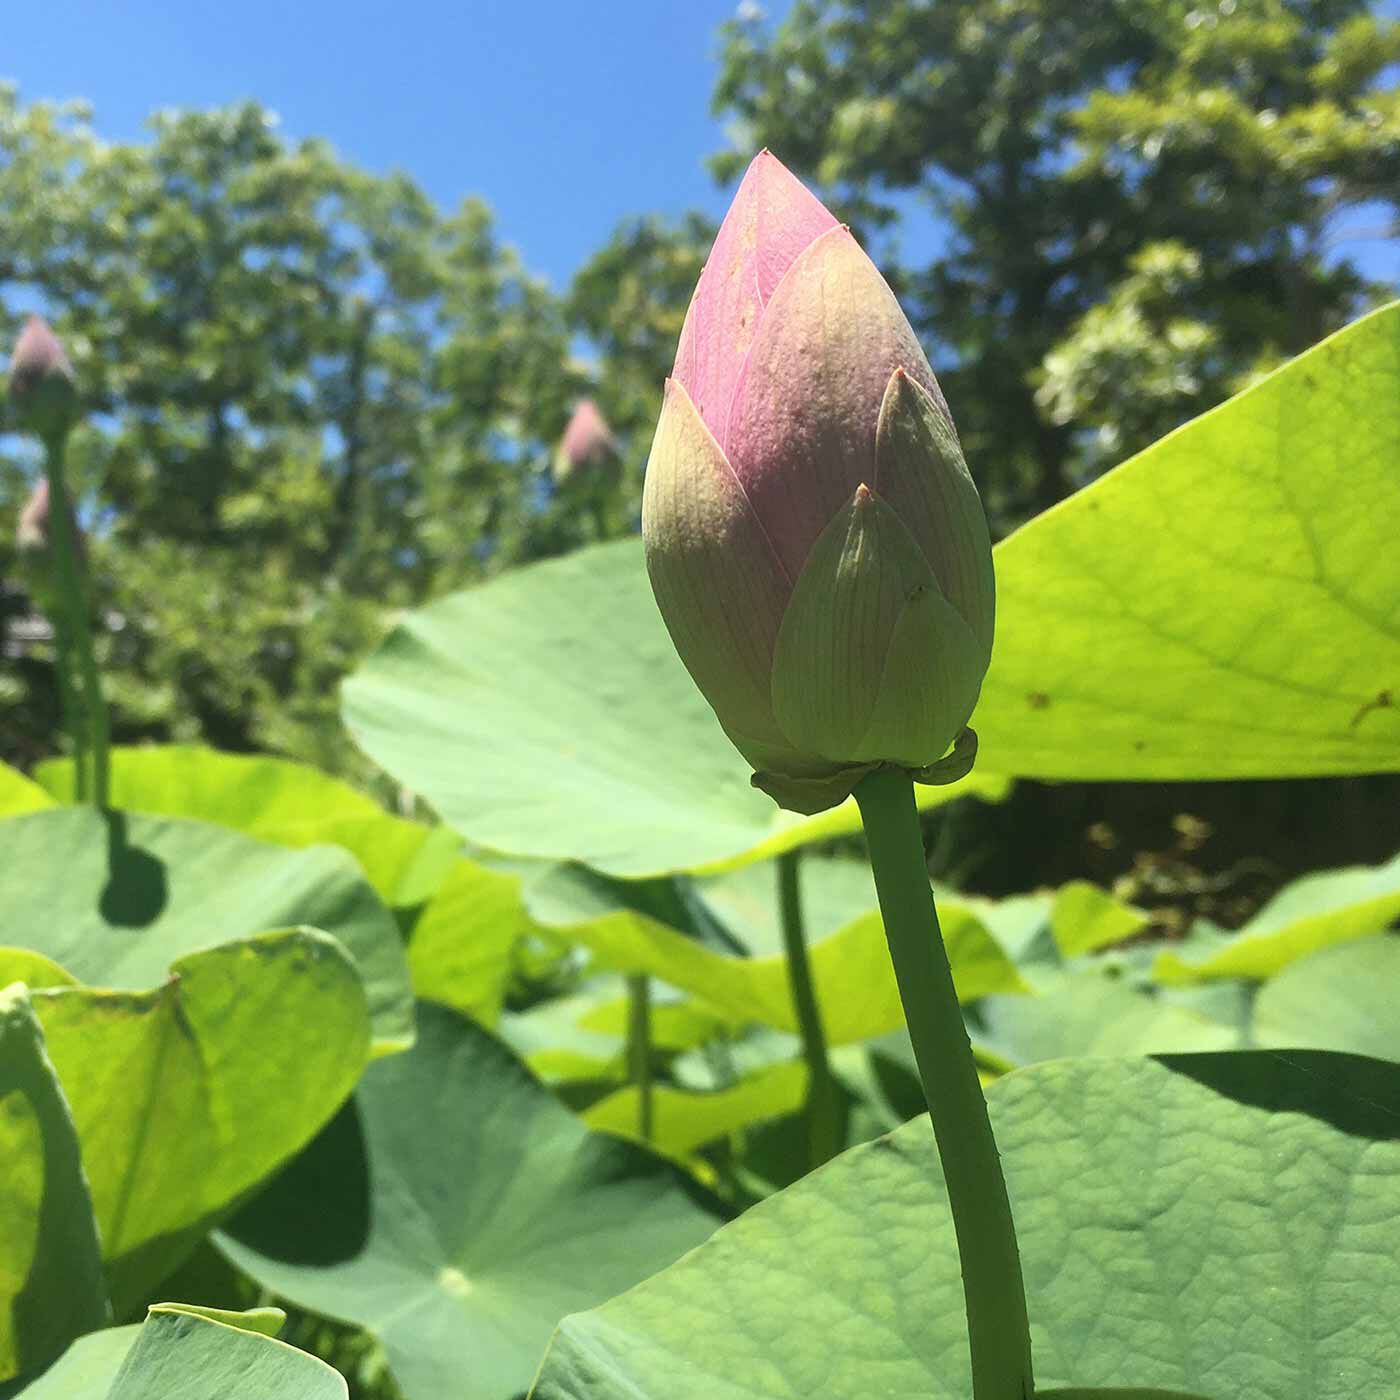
x=72 y=602
x=823 y=1109
x=639 y=1049
x=74 y=718
x=997 y=1325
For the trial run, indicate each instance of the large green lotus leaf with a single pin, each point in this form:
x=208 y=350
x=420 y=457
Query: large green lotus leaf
x=190 y=1353
x=115 y=898
x=851 y=971
x=84 y=1372
x=461 y=951
x=546 y=713
x=1227 y=603
x=1315 y=912
x=1084 y=1013
x=20 y=794
x=463 y=938
x=274 y=799
x=1218 y=1224
x=459 y=1211
x=187 y=1095
x=683 y=1120
x=1339 y=999
x=51 y=1284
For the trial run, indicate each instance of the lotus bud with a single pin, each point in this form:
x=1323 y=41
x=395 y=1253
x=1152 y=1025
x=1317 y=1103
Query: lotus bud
x=43 y=395
x=587 y=441
x=815 y=542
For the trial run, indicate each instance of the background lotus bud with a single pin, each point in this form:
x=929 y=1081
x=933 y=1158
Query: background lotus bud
x=814 y=539
x=587 y=441
x=43 y=395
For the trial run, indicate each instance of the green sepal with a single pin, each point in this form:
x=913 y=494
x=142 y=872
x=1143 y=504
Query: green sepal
x=921 y=473
x=872 y=664
x=808 y=796
x=952 y=766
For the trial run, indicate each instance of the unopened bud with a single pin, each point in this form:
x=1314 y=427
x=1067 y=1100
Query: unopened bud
x=43 y=395
x=587 y=441
x=815 y=542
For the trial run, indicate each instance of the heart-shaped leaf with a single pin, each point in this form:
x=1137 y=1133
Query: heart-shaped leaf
x=458 y=1211
x=1227 y=603
x=187 y=1095
x=191 y=1353
x=115 y=898
x=274 y=799
x=1221 y=1225
x=546 y=714
x=51 y=1284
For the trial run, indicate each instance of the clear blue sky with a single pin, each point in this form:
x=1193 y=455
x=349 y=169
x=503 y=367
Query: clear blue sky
x=566 y=115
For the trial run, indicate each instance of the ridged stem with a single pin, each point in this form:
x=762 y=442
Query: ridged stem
x=73 y=604
x=997 y=1325
x=74 y=717
x=639 y=1050
x=823 y=1109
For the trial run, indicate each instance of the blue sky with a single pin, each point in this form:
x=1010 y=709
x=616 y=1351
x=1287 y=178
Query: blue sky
x=566 y=116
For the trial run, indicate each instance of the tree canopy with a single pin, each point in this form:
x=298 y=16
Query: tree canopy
x=1140 y=198
x=313 y=397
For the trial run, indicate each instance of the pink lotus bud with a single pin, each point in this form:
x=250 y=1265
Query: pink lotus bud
x=587 y=441
x=814 y=539
x=43 y=396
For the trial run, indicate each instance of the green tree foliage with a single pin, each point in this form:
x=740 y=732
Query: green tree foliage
x=629 y=301
x=311 y=397
x=1141 y=197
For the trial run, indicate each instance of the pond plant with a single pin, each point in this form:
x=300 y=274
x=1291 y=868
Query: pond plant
x=610 y=1080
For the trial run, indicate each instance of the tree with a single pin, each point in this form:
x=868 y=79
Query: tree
x=311 y=397
x=1139 y=196
x=628 y=301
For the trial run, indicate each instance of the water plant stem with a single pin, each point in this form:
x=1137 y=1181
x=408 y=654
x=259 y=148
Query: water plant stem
x=639 y=1050
x=997 y=1324
x=73 y=604
x=74 y=718
x=823 y=1108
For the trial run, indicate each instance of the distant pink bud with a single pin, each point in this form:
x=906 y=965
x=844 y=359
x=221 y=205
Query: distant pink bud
x=814 y=540
x=587 y=441
x=43 y=396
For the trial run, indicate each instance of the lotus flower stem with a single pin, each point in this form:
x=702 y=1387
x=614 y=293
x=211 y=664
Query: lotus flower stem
x=997 y=1325
x=73 y=606
x=823 y=1116
x=74 y=716
x=639 y=1050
